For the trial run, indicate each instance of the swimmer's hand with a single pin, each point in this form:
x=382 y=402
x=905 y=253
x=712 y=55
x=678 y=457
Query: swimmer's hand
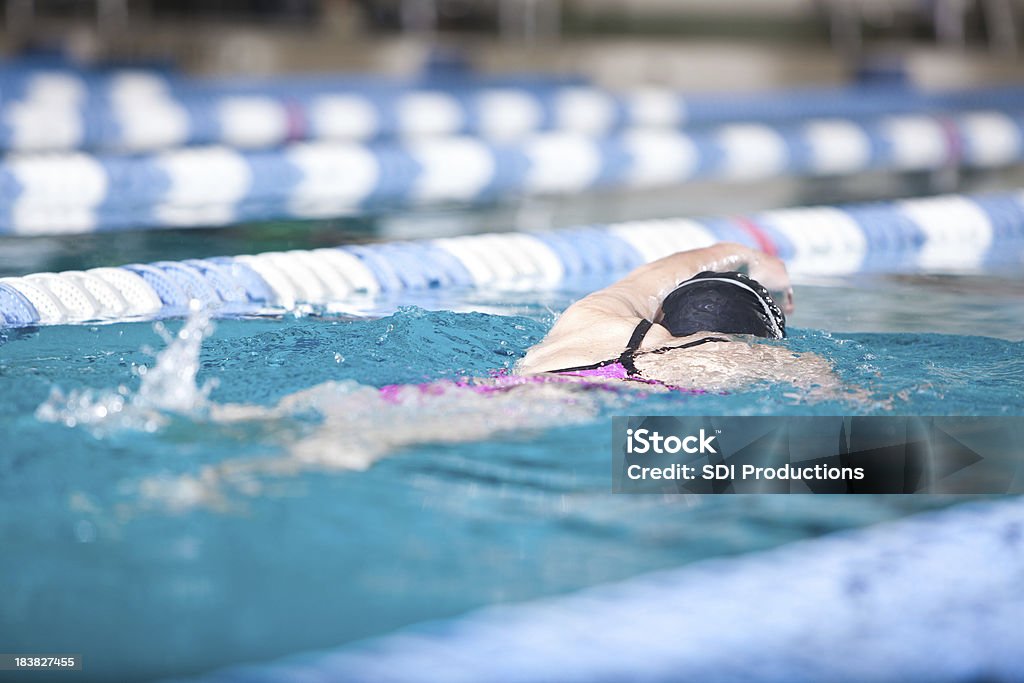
x=771 y=272
x=665 y=274
x=598 y=327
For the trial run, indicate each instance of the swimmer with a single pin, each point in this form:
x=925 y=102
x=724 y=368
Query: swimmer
x=691 y=323
x=688 y=320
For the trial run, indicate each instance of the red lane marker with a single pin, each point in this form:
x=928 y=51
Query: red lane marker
x=764 y=242
x=954 y=140
x=296 y=121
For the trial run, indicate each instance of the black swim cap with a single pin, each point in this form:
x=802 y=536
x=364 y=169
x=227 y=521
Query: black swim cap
x=730 y=302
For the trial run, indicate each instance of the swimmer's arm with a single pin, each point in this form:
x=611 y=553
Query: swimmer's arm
x=648 y=285
x=597 y=339
x=597 y=327
x=638 y=296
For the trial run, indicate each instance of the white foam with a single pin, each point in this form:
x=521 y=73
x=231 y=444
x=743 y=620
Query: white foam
x=168 y=386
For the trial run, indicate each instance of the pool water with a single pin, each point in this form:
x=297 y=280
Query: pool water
x=183 y=540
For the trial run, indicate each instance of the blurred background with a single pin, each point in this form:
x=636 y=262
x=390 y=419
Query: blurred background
x=158 y=152
x=158 y=75
x=700 y=44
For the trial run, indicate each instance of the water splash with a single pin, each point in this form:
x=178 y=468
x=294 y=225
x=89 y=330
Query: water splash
x=354 y=425
x=168 y=387
x=359 y=425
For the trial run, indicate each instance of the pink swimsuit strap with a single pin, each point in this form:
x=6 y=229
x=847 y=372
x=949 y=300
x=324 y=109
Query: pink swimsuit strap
x=611 y=371
x=502 y=381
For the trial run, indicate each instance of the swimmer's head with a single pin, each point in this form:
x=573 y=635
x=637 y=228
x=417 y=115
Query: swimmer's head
x=731 y=303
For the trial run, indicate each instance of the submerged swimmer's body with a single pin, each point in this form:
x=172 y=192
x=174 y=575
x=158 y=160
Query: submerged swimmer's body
x=688 y=322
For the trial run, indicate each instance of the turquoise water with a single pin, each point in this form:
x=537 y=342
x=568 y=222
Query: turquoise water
x=176 y=542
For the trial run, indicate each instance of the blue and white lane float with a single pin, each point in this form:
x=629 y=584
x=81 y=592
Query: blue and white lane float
x=935 y=598
x=946 y=233
x=137 y=111
x=207 y=186
x=68 y=84
x=133 y=111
